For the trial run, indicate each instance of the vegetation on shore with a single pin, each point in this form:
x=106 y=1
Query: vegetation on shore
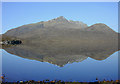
x=47 y=81
x=62 y=82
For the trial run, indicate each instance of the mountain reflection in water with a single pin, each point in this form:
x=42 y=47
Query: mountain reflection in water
x=62 y=55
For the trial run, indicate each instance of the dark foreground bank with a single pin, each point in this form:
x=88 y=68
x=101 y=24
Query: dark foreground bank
x=62 y=82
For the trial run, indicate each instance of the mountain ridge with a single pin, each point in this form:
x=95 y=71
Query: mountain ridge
x=59 y=39
x=58 y=23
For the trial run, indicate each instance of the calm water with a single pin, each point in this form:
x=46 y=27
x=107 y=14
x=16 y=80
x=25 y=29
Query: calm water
x=84 y=69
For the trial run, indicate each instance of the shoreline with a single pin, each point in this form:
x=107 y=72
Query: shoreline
x=63 y=82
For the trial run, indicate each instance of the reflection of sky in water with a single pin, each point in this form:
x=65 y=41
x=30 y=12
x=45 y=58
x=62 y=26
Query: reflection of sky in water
x=17 y=68
x=0 y=63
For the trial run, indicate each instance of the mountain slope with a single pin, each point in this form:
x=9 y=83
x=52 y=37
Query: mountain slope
x=59 y=22
x=60 y=41
x=60 y=31
x=61 y=28
x=100 y=27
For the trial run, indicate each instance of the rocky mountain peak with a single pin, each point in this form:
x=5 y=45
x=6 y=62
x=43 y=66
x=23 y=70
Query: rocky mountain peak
x=60 y=19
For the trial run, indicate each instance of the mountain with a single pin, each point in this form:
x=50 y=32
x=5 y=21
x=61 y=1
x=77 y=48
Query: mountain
x=59 y=22
x=60 y=41
x=60 y=28
x=100 y=27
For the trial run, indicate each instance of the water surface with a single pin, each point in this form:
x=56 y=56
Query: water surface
x=25 y=64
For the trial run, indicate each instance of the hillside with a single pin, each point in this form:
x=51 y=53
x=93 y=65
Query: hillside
x=60 y=41
x=61 y=28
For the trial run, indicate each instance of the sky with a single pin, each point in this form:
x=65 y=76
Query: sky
x=59 y=0
x=15 y=14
